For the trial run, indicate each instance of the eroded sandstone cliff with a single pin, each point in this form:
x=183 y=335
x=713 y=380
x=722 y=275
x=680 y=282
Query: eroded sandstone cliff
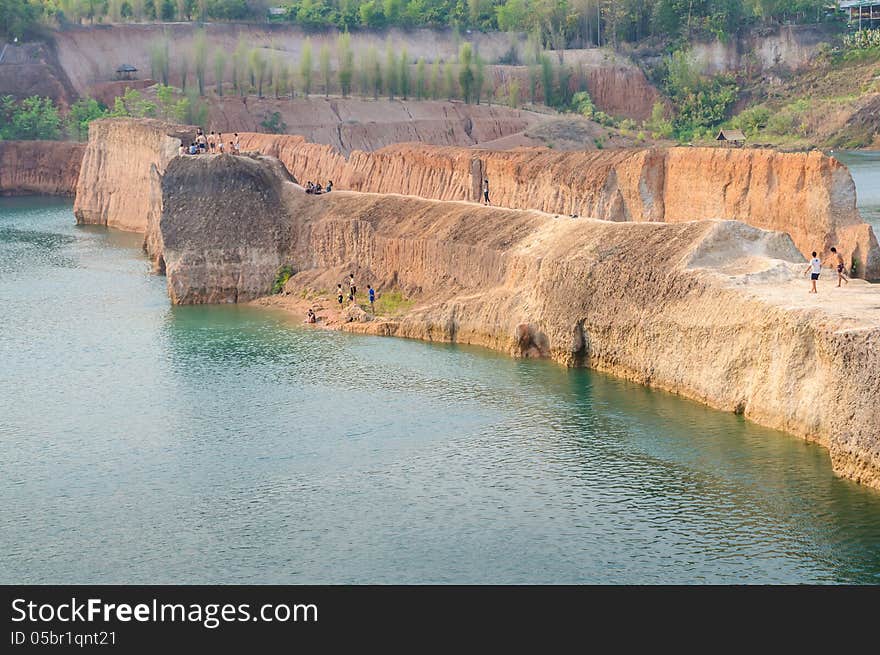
x=810 y=196
x=706 y=308
x=44 y=167
x=117 y=183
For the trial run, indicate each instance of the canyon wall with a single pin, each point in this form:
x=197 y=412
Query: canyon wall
x=706 y=309
x=39 y=167
x=117 y=183
x=808 y=195
x=350 y=124
x=89 y=56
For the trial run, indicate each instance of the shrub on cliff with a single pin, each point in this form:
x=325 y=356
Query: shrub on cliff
x=83 y=112
x=281 y=278
x=32 y=118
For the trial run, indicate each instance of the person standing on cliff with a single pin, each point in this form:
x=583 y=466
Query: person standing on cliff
x=212 y=142
x=372 y=293
x=486 y=191
x=841 y=268
x=236 y=144
x=814 y=268
x=352 y=289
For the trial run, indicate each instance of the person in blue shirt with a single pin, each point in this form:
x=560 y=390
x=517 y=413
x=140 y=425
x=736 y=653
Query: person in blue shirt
x=372 y=293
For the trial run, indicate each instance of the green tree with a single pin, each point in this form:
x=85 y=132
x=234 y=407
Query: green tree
x=17 y=17
x=345 y=58
x=421 y=80
x=479 y=77
x=258 y=70
x=183 y=61
x=219 y=70
x=200 y=59
x=392 y=74
x=448 y=80
x=159 y=61
x=436 y=90
x=132 y=103
x=547 y=79
x=326 y=70
x=32 y=118
x=513 y=94
x=305 y=66
x=82 y=112
x=465 y=72
x=404 y=76
x=373 y=69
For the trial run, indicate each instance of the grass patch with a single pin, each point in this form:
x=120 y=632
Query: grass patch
x=390 y=303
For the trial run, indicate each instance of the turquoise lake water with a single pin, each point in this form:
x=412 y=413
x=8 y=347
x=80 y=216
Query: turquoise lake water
x=865 y=169
x=142 y=443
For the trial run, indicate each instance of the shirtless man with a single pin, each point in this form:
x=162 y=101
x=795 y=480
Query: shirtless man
x=841 y=268
x=212 y=142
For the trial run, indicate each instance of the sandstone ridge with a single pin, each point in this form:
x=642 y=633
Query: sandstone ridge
x=713 y=310
x=810 y=196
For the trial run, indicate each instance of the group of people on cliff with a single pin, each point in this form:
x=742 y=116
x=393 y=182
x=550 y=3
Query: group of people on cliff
x=212 y=143
x=317 y=189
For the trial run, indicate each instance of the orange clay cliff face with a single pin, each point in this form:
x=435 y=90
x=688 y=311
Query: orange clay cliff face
x=713 y=310
x=44 y=167
x=118 y=183
x=810 y=196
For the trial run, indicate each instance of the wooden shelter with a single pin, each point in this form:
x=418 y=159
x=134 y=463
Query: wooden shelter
x=125 y=72
x=736 y=137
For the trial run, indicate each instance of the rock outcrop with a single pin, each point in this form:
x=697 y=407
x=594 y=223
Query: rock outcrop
x=243 y=238
x=810 y=196
x=117 y=183
x=713 y=310
x=39 y=167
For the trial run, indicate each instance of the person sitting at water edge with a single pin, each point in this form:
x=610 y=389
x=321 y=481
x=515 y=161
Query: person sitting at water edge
x=311 y=317
x=841 y=268
x=182 y=149
x=329 y=187
x=339 y=294
x=814 y=269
